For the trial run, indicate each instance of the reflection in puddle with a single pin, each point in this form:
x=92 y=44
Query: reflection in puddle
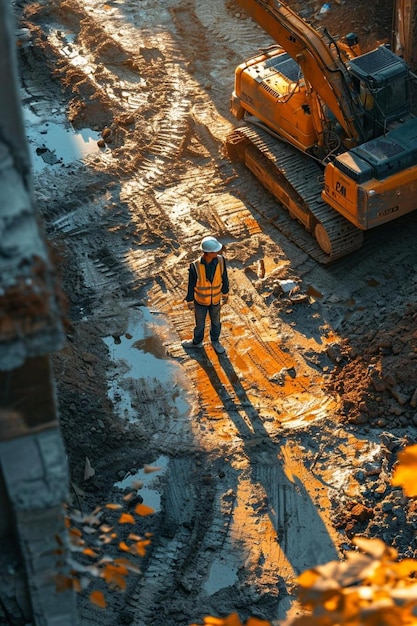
x=151 y=497
x=139 y=354
x=51 y=144
x=223 y=573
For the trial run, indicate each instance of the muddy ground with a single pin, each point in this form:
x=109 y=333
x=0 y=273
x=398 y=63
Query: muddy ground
x=274 y=455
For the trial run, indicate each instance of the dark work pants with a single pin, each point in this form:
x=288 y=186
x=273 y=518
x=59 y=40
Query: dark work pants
x=200 y=313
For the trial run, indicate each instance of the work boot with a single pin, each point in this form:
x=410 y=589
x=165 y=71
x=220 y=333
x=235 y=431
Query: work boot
x=189 y=343
x=218 y=347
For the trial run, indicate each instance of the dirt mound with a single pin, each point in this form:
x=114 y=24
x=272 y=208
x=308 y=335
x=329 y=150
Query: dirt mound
x=377 y=385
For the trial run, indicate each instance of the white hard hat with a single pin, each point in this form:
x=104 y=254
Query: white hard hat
x=210 y=244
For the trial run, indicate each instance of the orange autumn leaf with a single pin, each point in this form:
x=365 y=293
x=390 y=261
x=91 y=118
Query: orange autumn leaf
x=141 y=546
x=130 y=567
x=97 y=598
x=134 y=537
x=148 y=469
x=254 y=621
x=308 y=578
x=129 y=496
x=63 y=583
x=90 y=552
x=405 y=568
x=126 y=518
x=231 y=620
x=404 y=474
x=115 y=575
x=142 y=509
x=124 y=547
x=113 y=506
x=105 y=528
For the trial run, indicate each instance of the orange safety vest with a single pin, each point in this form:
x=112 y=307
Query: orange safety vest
x=206 y=292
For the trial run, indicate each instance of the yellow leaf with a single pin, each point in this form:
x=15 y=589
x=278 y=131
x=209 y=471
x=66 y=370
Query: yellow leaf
x=126 y=518
x=375 y=547
x=404 y=568
x=404 y=474
x=97 y=597
x=142 y=509
x=308 y=578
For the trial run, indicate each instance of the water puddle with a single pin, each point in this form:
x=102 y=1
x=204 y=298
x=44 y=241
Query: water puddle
x=151 y=495
x=55 y=144
x=139 y=354
x=223 y=573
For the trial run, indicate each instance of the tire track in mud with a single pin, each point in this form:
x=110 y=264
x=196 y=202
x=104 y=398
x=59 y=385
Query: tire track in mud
x=231 y=26
x=177 y=570
x=152 y=170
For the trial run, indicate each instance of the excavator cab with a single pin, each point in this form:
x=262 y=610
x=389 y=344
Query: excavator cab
x=382 y=80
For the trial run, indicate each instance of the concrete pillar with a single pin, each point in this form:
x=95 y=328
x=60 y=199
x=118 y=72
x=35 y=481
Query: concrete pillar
x=33 y=468
x=34 y=471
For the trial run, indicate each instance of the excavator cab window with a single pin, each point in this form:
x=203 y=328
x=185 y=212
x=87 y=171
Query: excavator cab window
x=366 y=97
x=395 y=92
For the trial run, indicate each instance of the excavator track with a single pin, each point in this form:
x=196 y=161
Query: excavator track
x=296 y=181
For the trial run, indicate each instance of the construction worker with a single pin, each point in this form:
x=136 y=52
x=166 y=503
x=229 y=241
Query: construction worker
x=208 y=289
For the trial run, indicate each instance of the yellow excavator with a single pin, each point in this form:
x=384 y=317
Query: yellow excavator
x=329 y=131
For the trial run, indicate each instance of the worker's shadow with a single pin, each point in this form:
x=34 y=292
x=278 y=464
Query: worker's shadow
x=301 y=533
x=236 y=401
